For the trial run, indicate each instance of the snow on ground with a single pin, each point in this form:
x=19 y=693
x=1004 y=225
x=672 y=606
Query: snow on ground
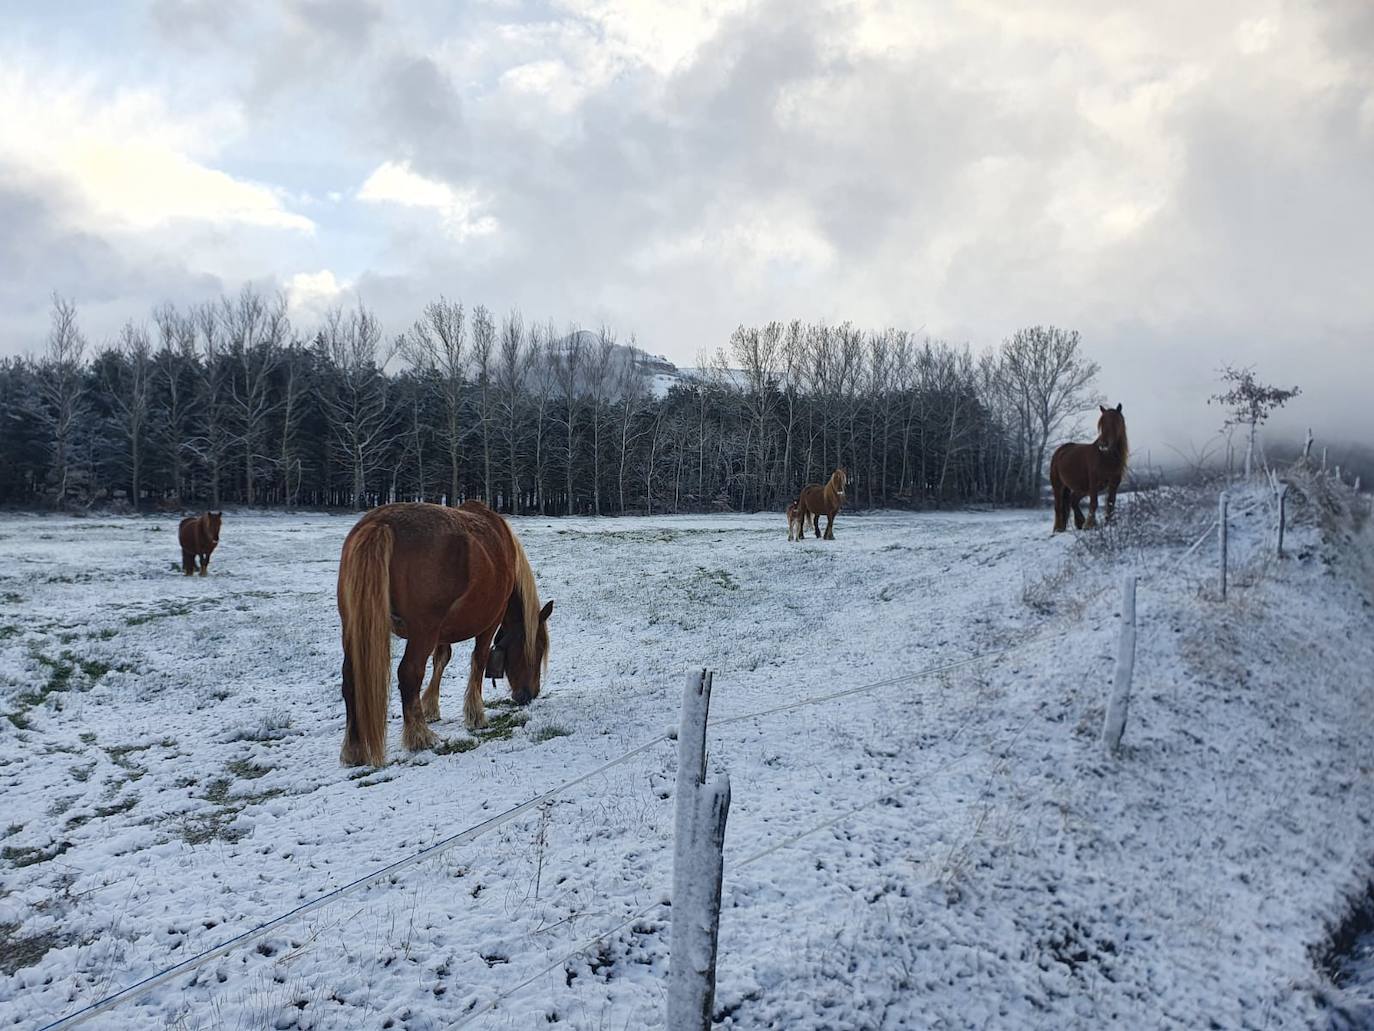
x=170 y=778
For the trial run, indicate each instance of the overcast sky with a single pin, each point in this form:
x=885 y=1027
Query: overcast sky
x=1185 y=183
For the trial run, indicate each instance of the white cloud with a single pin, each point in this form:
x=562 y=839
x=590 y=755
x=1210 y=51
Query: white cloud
x=310 y=293
x=130 y=161
x=394 y=183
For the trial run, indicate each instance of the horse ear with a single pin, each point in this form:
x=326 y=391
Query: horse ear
x=1103 y=409
x=1118 y=406
x=546 y=611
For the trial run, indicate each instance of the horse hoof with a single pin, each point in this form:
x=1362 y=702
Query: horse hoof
x=351 y=755
x=475 y=723
x=418 y=737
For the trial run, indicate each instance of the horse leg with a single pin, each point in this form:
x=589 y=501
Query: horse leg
x=1075 y=503
x=188 y=561
x=204 y=563
x=1111 y=502
x=830 y=526
x=474 y=713
x=429 y=701
x=410 y=674
x=352 y=753
x=1061 y=506
x=1092 y=511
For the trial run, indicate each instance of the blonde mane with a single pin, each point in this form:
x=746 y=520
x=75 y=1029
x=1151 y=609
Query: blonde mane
x=529 y=598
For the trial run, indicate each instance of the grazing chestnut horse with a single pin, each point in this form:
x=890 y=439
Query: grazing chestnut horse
x=816 y=501
x=198 y=536
x=432 y=575
x=1084 y=470
x=796 y=523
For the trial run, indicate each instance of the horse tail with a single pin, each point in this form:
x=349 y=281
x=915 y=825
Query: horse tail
x=529 y=598
x=365 y=605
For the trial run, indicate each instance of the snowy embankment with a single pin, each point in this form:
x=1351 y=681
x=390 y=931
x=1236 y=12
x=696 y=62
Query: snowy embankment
x=948 y=850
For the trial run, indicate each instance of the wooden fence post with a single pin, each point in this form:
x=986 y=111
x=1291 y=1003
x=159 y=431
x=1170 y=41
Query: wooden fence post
x=1283 y=506
x=1221 y=539
x=698 y=865
x=1307 y=445
x=1114 y=723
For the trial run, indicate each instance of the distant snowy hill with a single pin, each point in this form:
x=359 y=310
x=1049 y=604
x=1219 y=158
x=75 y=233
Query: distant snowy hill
x=659 y=374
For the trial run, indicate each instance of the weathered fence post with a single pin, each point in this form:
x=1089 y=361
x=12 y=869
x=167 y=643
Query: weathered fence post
x=1307 y=445
x=698 y=865
x=1114 y=724
x=1323 y=459
x=1221 y=539
x=1283 y=509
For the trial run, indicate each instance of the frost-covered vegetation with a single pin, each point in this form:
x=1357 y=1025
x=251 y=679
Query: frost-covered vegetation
x=230 y=403
x=945 y=849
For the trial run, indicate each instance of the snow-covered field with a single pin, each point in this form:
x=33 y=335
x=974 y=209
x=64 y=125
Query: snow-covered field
x=949 y=851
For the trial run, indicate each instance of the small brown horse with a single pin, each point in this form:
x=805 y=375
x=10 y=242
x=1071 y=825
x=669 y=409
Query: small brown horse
x=1084 y=470
x=433 y=576
x=796 y=522
x=198 y=536
x=816 y=501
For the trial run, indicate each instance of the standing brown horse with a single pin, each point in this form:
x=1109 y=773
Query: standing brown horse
x=432 y=575
x=816 y=501
x=1084 y=470
x=198 y=536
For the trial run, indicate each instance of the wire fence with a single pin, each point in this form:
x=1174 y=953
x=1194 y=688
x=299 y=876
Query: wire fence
x=478 y=830
x=470 y=834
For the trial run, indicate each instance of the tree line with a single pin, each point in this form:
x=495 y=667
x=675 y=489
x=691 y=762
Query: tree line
x=230 y=403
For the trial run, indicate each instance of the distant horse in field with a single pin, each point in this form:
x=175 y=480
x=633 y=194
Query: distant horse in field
x=796 y=522
x=816 y=501
x=433 y=576
x=1084 y=470
x=198 y=536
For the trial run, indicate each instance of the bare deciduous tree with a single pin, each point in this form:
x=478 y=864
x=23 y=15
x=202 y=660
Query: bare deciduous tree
x=1051 y=382
x=62 y=391
x=568 y=356
x=128 y=378
x=357 y=408
x=436 y=345
x=1251 y=403
x=483 y=348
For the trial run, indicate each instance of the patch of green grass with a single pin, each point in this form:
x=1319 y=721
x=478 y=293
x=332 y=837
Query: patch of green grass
x=81 y=774
x=88 y=738
x=172 y=610
x=501 y=726
x=13 y=829
x=454 y=745
x=19 y=719
x=247 y=769
x=17 y=952
x=550 y=732
x=102 y=811
x=720 y=577
x=94 y=668
x=119 y=754
x=9 y=630
x=196 y=830
x=105 y=633
x=22 y=856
